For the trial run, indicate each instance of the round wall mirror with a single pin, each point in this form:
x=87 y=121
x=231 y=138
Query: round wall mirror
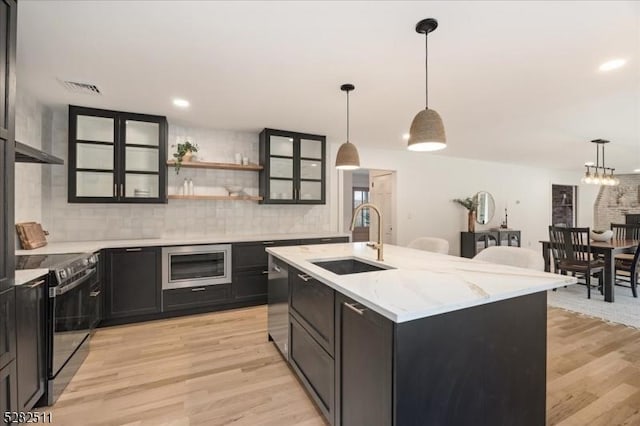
x=486 y=207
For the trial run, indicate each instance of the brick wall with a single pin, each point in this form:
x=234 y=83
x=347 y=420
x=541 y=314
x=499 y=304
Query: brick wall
x=613 y=202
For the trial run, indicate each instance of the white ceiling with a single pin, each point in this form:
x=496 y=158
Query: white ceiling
x=513 y=81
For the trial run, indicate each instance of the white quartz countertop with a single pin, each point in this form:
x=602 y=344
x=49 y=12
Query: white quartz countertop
x=96 y=245
x=423 y=283
x=26 y=275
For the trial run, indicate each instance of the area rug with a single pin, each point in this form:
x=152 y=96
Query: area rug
x=625 y=310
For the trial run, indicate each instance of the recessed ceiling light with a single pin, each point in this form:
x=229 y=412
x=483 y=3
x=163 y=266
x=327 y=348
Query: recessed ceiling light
x=589 y=163
x=613 y=64
x=406 y=136
x=181 y=103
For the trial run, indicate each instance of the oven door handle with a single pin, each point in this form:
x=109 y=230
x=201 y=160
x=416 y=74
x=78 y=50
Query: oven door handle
x=57 y=291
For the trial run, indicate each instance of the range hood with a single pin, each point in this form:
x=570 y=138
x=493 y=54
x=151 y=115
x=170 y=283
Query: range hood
x=27 y=154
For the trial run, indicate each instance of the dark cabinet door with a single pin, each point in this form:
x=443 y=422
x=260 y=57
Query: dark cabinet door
x=133 y=282
x=364 y=366
x=8 y=14
x=294 y=167
x=31 y=342
x=7 y=327
x=312 y=302
x=314 y=366
x=250 y=285
x=116 y=157
x=8 y=386
x=7 y=140
x=253 y=255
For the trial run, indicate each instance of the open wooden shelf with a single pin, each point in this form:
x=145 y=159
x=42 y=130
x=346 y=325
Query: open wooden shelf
x=216 y=197
x=219 y=166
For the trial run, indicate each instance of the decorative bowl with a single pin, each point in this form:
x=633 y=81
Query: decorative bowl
x=234 y=189
x=602 y=236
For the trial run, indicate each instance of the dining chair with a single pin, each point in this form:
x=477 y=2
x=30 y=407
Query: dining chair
x=624 y=231
x=432 y=244
x=628 y=266
x=512 y=256
x=571 y=251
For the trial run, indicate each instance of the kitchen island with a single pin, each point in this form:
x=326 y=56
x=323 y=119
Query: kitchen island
x=423 y=339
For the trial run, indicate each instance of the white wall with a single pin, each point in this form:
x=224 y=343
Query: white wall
x=426 y=184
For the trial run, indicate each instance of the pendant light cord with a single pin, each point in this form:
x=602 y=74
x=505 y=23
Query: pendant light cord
x=426 y=70
x=347 y=116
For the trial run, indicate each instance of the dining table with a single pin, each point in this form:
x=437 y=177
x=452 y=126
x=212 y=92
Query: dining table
x=608 y=250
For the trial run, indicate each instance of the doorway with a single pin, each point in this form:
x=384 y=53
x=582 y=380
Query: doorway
x=563 y=205
x=370 y=186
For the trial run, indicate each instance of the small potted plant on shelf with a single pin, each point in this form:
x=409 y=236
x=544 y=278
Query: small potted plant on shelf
x=184 y=152
x=471 y=204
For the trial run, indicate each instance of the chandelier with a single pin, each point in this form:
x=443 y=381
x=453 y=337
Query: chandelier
x=599 y=174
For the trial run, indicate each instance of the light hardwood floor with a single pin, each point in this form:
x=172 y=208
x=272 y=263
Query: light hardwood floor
x=219 y=369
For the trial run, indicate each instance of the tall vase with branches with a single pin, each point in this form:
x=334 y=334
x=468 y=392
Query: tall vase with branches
x=471 y=204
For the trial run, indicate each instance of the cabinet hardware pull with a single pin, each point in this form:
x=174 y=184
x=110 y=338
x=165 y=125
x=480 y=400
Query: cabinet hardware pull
x=276 y=268
x=266 y=243
x=265 y=272
x=326 y=239
x=134 y=249
x=305 y=278
x=115 y=189
x=95 y=293
x=198 y=289
x=354 y=309
x=39 y=283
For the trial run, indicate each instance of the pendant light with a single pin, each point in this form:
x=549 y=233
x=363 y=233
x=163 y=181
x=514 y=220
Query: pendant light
x=347 y=158
x=427 y=130
x=599 y=174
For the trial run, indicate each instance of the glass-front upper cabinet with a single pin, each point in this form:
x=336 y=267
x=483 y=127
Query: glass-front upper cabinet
x=294 y=167
x=116 y=157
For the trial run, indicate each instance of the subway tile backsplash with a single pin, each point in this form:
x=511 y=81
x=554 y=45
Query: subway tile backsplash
x=188 y=218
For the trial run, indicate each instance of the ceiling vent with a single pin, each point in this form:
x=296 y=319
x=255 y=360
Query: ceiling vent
x=84 y=88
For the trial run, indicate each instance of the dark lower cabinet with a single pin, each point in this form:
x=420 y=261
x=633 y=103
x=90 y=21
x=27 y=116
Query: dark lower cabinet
x=312 y=303
x=364 y=366
x=7 y=327
x=314 y=366
x=8 y=386
x=250 y=285
x=31 y=342
x=133 y=283
x=195 y=297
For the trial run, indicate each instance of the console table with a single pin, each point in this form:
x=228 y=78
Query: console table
x=472 y=243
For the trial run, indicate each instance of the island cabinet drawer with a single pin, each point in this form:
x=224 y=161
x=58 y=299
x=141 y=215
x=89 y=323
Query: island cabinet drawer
x=312 y=303
x=253 y=255
x=194 y=297
x=314 y=366
x=327 y=240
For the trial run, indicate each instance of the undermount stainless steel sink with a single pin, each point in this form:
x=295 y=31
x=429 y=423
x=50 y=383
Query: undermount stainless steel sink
x=349 y=266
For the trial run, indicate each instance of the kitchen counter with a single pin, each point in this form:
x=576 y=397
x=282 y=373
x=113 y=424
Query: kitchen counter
x=422 y=284
x=96 y=245
x=26 y=275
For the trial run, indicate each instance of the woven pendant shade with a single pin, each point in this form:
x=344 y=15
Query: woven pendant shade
x=347 y=158
x=427 y=132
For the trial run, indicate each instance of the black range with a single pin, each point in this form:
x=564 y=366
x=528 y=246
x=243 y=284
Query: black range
x=73 y=311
